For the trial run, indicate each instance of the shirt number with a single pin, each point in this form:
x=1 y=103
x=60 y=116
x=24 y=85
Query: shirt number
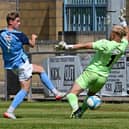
x=111 y=60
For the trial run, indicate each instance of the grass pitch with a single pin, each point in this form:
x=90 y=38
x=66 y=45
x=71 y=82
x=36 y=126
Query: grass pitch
x=55 y=115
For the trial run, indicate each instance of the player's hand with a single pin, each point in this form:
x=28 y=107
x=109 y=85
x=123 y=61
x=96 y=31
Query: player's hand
x=60 y=45
x=63 y=46
x=122 y=17
x=34 y=36
x=32 y=41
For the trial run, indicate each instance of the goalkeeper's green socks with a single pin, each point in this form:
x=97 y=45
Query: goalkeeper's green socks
x=73 y=101
x=84 y=106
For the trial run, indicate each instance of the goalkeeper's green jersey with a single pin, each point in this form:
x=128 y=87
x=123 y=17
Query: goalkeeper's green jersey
x=107 y=53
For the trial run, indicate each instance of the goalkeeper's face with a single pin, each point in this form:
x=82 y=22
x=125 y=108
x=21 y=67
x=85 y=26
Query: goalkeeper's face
x=114 y=36
x=117 y=33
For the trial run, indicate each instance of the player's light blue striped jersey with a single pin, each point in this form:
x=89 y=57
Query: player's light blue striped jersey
x=108 y=53
x=12 y=43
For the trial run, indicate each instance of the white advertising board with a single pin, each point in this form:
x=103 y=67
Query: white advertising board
x=63 y=70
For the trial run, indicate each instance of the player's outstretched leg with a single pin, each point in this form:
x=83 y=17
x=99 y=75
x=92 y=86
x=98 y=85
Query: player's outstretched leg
x=15 y=103
x=46 y=81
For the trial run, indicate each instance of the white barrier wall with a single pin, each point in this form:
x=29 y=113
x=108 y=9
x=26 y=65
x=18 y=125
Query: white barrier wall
x=116 y=84
x=63 y=70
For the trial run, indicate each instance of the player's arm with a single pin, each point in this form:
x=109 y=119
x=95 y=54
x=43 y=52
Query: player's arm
x=63 y=45
x=32 y=40
x=123 y=22
x=88 y=45
x=127 y=33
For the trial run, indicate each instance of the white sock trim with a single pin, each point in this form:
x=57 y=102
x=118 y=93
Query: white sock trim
x=11 y=109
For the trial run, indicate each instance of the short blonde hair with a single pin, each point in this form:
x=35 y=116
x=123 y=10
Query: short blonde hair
x=119 y=30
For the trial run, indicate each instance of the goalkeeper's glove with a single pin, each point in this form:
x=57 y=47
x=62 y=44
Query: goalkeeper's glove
x=122 y=17
x=63 y=46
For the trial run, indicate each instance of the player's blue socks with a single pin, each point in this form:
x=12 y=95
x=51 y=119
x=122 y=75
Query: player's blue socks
x=18 y=98
x=73 y=101
x=46 y=81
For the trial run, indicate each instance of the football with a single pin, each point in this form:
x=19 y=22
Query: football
x=94 y=102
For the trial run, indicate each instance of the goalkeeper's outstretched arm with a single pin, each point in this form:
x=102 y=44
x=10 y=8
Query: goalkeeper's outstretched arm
x=64 y=46
x=88 y=45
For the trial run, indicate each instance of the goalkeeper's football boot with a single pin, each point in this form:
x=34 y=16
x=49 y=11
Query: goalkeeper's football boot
x=77 y=114
x=60 y=95
x=9 y=115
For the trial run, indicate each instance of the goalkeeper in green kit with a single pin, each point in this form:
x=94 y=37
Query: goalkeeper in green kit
x=95 y=75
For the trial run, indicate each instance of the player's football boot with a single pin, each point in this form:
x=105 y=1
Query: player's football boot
x=76 y=114
x=9 y=115
x=60 y=95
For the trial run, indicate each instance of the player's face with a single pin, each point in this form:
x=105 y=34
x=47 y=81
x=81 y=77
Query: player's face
x=15 y=23
x=112 y=36
x=115 y=36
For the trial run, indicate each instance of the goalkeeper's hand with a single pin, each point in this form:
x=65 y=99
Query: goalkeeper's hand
x=63 y=46
x=122 y=17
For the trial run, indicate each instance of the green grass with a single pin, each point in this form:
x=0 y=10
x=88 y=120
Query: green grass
x=55 y=115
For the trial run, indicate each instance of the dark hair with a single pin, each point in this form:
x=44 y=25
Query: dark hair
x=11 y=16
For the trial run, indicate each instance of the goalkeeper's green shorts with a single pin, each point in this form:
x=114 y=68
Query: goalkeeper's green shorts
x=91 y=81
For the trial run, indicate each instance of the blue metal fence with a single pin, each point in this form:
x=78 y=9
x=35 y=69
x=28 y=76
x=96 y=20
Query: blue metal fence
x=85 y=15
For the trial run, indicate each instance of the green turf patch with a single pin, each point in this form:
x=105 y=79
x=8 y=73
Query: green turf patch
x=55 y=115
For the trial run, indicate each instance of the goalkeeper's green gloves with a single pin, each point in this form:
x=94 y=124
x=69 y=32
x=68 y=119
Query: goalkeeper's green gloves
x=63 y=46
x=122 y=17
